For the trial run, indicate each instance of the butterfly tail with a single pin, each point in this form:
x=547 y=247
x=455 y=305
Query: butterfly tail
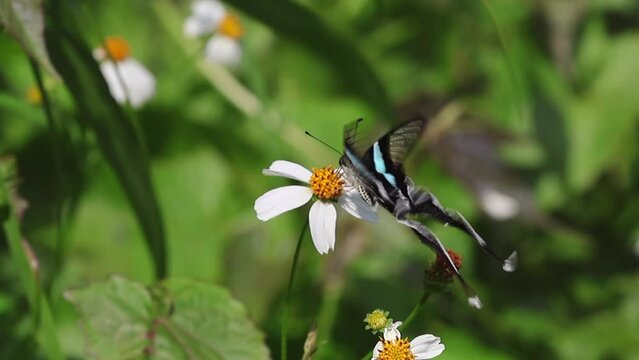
x=429 y=239
x=425 y=203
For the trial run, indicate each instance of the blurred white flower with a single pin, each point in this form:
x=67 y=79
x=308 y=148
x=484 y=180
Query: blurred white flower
x=223 y=50
x=498 y=205
x=327 y=185
x=393 y=347
x=205 y=17
x=210 y=17
x=125 y=76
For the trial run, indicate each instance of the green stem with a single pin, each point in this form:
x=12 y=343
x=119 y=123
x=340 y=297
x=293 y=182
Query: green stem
x=217 y=75
x=413 y=314
x=296 y=257
x=57 y=163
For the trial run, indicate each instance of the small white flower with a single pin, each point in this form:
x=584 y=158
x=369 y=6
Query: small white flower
x=125 y=76
x=223 y=50
x=498 y=205
x=327 y=185
x=205 y=17
x=425 y=346
x=210 y=17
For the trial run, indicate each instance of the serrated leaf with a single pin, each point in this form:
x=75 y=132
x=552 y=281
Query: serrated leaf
x=176 y=319
x=114 y=130
x=24 y=20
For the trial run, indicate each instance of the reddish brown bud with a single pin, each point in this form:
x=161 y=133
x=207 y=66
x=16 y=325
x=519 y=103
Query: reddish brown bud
x=440 y=274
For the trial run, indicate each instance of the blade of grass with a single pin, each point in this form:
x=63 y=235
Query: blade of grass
x=23 y=260
x=114 y=130
x=57 y=161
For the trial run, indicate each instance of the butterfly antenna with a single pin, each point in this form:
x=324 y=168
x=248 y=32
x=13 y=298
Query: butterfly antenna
x=322 y=142
x=356 y=125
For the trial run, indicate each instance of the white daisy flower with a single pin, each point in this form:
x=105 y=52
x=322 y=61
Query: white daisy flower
x=393 y=347
x=125 y=76
x=210 y=17
x=327 y=185
x=205 y=17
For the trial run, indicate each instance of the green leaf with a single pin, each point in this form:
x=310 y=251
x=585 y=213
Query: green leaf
x=115 y=133
x=304 y=27
x=24 y=20
x=23 y=259
x=601 y=122
x=176 y=319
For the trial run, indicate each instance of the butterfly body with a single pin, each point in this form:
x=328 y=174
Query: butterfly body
x=379 y=175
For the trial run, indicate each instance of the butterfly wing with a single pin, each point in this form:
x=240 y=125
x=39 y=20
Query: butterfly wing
x=359 y=169
x=398 y=142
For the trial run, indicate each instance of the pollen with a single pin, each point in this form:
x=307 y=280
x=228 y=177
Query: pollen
x=396 y=350
x=231 y=27
x=326 y=183
x=117 y=48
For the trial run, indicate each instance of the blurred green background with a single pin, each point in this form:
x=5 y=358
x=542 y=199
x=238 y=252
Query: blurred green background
x=533 y=130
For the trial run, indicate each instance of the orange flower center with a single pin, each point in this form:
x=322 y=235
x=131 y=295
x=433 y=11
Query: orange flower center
x=396 y=350
x=231 y=27
x=117 y=48
x=326 y=183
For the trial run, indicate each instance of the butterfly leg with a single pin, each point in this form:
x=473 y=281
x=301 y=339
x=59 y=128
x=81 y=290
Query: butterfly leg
x=426 y=203
x=429 y=239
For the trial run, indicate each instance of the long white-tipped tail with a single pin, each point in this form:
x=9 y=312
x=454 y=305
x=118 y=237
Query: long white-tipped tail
x=510 y=264
x=474 y=302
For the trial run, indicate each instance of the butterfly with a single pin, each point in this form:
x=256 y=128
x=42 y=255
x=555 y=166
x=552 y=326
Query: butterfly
x=379 y=175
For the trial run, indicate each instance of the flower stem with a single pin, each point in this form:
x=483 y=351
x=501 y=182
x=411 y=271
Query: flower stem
x=57 y=180
x=413 y=314
x=296 y=257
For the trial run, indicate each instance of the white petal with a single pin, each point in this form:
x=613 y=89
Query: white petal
x=281 y=200
x=224 y=50
x=498 y=205
x=99 y=54
x=208 y=9
x=194 y=27
x=426 y=346
x=391 y=333
x=205 y=18
x=378 y=347
x=289 y=170
x=352 y=202
x=322 y=218
x=133 y=76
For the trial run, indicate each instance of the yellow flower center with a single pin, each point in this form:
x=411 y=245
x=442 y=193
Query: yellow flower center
x=377 y=320
x=231 y=27
x=34 y=96
x=396 y=350
x=326 y=183
x=117 y=48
